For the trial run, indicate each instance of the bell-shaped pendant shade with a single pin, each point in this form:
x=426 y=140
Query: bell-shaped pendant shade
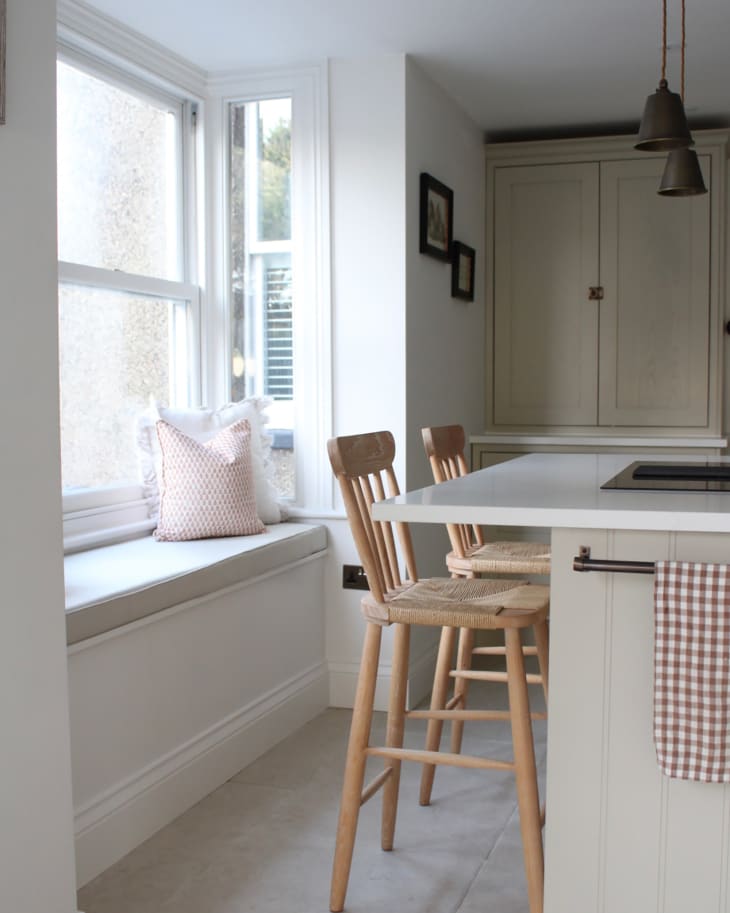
x=664 y=124
x=682 y=174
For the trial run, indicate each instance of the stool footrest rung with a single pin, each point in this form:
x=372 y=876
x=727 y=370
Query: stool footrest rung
x=375 y=784
x=448 y=714
x=501 y=651
x=440 y=757
x=482 y=675
x=455 y=701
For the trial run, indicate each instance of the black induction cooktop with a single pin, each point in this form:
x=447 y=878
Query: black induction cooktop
x=649 y=476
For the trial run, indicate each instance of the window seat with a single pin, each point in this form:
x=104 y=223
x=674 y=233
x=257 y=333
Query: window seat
x=117 y=584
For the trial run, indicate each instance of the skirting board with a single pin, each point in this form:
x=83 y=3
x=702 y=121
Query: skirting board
x=343 y=681
x=113 y=824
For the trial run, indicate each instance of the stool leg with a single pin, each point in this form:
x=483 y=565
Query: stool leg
x=394 y=734
x=542 y=636
x=525 y=769
x=362 y=715
x=438 y=702
x=463 y=661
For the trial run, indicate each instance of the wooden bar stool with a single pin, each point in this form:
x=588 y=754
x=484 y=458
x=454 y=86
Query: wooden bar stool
x=471 y=556
x=363 y=465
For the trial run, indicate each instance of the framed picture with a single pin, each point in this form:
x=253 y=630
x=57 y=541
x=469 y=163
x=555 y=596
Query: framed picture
x=462 y=271
x=437 y=218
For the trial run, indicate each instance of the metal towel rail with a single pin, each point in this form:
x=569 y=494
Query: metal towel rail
x=584 y=562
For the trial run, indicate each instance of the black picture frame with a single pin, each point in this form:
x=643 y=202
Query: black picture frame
x=462 y=271
x=436 y=224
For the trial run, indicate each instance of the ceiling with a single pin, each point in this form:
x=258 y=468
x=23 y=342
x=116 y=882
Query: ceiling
x=516 y=66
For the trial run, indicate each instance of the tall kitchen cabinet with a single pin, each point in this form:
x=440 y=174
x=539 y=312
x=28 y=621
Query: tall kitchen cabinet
x=604 y=299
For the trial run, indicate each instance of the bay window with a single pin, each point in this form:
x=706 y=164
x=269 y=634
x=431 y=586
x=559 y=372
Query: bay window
x=134 y=325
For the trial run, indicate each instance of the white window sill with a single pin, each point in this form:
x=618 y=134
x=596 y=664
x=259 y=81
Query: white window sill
x=99 y=517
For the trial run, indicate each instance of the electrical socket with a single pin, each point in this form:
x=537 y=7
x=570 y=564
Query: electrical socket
x=354 y=577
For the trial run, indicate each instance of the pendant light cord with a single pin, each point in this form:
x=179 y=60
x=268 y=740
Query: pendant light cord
x=683 y=44
x=664 y=44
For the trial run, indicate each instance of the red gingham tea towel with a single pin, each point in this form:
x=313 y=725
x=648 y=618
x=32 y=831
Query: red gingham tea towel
x=692 y=670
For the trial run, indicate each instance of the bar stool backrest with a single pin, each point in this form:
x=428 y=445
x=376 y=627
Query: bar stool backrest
x=445 y=451
x=363 y=465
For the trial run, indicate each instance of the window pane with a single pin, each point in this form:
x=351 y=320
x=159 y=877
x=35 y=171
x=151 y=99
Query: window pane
x=118 y=177
x=274 y=145
x=261 y=270
x=278 y=343
x=116 y=350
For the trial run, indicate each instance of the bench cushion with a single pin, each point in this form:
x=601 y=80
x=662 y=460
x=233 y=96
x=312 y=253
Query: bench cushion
x=112 y=586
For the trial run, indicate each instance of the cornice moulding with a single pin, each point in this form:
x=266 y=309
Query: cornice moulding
x=87 y=29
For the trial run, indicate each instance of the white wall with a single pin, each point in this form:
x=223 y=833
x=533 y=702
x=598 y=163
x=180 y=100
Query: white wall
x=367 y=194
x=36 y=834
x=444 y=335
x=405 y=353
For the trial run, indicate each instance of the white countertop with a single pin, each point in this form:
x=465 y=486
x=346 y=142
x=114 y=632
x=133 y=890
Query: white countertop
x=561 y=490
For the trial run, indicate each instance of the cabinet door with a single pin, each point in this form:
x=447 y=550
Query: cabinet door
x=545 y=328
x=655 y=271
x=481 y=458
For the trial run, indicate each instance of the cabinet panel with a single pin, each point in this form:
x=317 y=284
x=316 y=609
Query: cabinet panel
x=545 y=259
x=483 y=459
x=565 y=216
x=654 y=317
x=624 y=837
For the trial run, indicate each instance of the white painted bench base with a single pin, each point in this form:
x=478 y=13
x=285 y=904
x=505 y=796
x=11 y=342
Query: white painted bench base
x=168 y=705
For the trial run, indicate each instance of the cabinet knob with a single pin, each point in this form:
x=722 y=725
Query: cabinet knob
x=595 y=293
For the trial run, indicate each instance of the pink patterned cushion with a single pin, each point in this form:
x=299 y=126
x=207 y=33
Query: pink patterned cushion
x=207 y=489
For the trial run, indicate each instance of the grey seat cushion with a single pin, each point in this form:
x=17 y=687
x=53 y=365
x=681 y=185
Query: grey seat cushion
x=112 y=586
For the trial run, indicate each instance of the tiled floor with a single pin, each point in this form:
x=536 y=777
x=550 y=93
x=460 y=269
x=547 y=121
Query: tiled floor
x=262 y=843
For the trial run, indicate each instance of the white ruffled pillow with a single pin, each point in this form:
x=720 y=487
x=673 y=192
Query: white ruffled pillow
x=207 y=488
x=203 y=425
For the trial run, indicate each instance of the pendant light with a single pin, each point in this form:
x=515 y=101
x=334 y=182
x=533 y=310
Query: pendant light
x=682 y=174
x=664 y=123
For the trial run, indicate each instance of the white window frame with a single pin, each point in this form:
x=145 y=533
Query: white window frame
x=307 y=88
x=86 y=36
x=109 y=513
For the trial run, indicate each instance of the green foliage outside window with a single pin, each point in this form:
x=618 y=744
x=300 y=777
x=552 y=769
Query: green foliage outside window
x=275 y=187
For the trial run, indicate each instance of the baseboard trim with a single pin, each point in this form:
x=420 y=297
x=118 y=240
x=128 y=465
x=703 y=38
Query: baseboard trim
x=343 y=681
x=119 y=819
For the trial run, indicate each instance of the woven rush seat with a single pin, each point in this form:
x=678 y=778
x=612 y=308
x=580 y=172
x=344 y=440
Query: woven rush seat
x=470 y=554
x=507 y=558
x=479 y=604
x=363 y=466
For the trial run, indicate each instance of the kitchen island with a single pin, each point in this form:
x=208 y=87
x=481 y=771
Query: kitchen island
x=620 y=837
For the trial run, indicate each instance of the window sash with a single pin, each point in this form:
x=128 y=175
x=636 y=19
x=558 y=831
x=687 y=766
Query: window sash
x=95 y=515
x=181 y=109
x=110 y=499
x=312 y=411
